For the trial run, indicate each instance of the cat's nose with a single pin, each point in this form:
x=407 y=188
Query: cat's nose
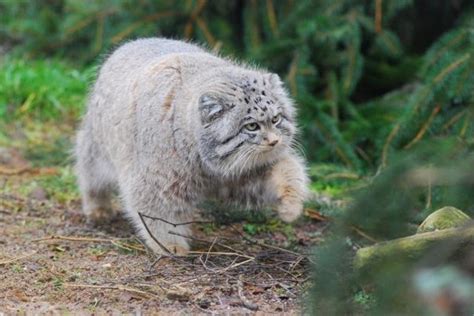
x=272 y=139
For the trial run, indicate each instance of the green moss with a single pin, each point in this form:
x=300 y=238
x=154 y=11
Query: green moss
x=446 y=217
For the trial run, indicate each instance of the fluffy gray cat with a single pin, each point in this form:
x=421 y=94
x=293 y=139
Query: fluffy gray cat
x=171 y=126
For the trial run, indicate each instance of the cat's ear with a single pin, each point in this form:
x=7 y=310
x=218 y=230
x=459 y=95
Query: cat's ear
x=210 y=108
x=274 y=80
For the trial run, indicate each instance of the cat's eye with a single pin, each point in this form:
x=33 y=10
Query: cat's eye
x=276 y=119
x=252 y=126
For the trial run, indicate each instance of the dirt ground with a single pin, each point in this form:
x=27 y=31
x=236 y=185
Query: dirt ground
x=52 y=261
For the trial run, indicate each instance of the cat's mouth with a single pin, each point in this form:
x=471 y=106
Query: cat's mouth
x=269 y=148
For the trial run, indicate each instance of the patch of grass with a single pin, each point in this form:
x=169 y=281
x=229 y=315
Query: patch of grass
x=60 y=187
x=58 y=283
x=97 y=250
x=55 y=153
x=271 y=226
x=364 y=300
x=334 y=180
x=41 y=89
x=17 y=268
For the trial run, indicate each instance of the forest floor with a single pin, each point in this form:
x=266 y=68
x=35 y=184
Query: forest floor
x=51 y=260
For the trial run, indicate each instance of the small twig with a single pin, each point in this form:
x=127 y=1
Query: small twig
x=152 y=236
x=261 y=243
x=294 y=264
x=58 y=237
x=28 y=170
x=219 y=253
x=204 y=241
x=112 y=287
x=235 y=265
x=8 y=261
x=386 y=146
x=245 y=302
x=451 y=67
x=424 y=128
x=360 y=232
x=316 y=215
x=114 y=242
x=128 y=247
x=176 y=224
x=378 y=16
x=157 y=259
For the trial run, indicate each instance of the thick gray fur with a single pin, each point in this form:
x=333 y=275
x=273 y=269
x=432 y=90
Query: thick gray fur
x=168 y=125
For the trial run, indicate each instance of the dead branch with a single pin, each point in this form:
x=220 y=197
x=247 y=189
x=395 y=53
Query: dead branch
x=113 y=287
x=204 y=241
x=152 y=236
x=175 y=224
x=59 y=237
x=261 y=243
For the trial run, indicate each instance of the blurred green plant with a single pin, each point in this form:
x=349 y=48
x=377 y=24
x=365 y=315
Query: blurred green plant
x=360 y=71
x=41 y=89
x=391 y=207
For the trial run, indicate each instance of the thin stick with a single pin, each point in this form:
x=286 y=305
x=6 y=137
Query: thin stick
x=264 y=244
x=386 y=146
x=176 y=224
x=453 y=120
x=58 y=237
x=126 y=246
x=450 y=68
x=210 y=248
x=378 y=16
x=28 y=170
x=204 y=241
x=153 y=237
x=220 y=253
x=232 y=266
x=8 y=261
x=424 y=128
x=112 y=287
x=360 y=232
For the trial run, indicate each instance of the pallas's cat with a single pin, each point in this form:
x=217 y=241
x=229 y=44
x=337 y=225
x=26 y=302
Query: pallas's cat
x=170 y=126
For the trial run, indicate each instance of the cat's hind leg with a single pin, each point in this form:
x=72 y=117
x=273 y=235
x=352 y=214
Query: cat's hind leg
x=95 y=178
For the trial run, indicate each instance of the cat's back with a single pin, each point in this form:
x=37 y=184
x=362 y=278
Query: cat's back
x=142 y=50
x=128 y=59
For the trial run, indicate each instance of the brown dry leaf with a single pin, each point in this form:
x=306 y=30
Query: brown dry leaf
x=316 y=215
x=20 y=295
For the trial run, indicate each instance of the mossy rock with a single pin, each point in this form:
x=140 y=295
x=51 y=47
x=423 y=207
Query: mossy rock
x=444 y=218
x=411 y=248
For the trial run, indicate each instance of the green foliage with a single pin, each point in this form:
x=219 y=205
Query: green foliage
x=340 y=64
x=41 y=89
x=388 y=208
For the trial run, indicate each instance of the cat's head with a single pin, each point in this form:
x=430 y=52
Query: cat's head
x=246 y=122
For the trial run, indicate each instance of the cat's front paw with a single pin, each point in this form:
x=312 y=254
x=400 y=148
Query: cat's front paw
x=290 y=210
